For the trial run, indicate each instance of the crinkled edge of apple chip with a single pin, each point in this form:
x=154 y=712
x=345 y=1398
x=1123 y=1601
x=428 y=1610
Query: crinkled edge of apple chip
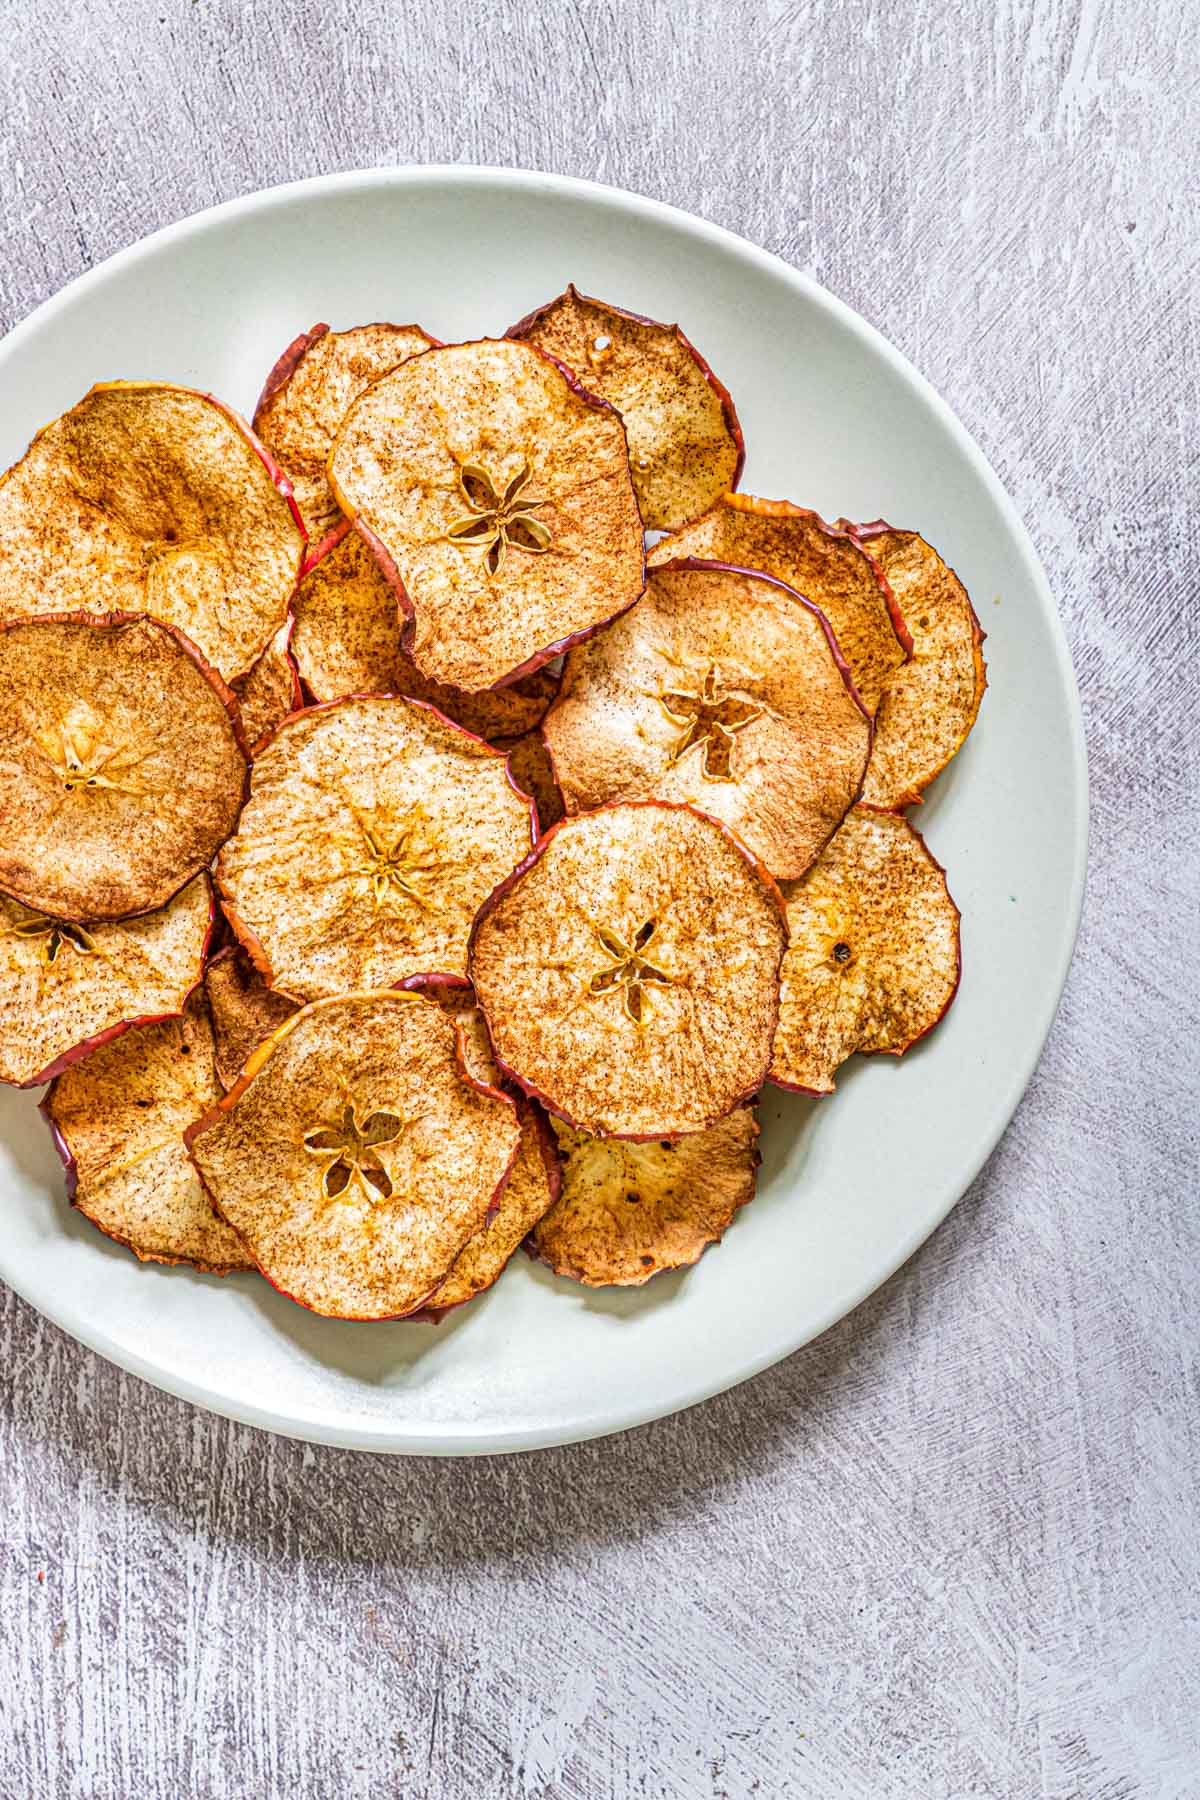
x=699 y=1145
x=883 y=819
x=912 y=793
x=197 y=1008
x=524 y=327
x=106 y=1035
x=260 y=688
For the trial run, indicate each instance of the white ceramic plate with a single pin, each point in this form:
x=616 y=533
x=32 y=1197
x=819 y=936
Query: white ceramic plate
x=833 y=417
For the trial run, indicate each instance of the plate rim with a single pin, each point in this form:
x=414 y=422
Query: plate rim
x=456 y=1441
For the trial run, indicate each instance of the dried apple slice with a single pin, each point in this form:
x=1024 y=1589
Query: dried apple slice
x=628 y=971
x=496 y=495
x=64 y=988
x=374 y=830
x=873 y=962
x=530 y=767
x=243 y=1009
x=629 y=1211
x=151 y=498
x=930 y=704
x=355 y=1155
x=724 y=689
x=122 y=764
x=530 y=1190
x=823 y=562
x=119 y=1117
x=685 y=443
x=270 y=688
x=306 y=397
x=347 y=641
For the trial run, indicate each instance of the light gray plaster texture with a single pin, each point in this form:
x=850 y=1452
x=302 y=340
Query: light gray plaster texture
x=950 y=1549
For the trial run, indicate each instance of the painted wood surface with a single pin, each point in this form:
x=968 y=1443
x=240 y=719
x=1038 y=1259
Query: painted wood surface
x=950 y=1549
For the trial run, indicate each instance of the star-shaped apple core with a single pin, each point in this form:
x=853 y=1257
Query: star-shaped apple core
x=499 y=519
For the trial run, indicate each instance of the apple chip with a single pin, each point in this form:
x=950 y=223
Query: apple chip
x=269 y=690
x=243 y=1009
x=528 y=1194
x=529 y=1191
x=306 y=397
x=823 y=562
x=374 y=830
x=724 y=689
x=347 y=641
x=355 y=1156
x=530 y=767
x=630 y=1211
x=873 y=962
x=628 y=971
x=497 y=497
x=122 y=764
x=64 y=988
x=152 y=498
x=685 y=443
x=118 y=1118
x=930 y=704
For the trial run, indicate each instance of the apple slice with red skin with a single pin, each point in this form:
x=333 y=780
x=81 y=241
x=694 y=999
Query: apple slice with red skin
x=147 y=497
x=496 y=495
x=825 y=563
x=374 y=830
x=118 y=1117
x=307 y=395
x=243 y=1009
x=685 y=443
x=929 y=706
x=724 y=689
x=356 y=1156
x=631 y=1211
x=270 y=689
x=123 y=764
x=347 y=641
x=629 y=971
x=66 y=988
x=873 y=961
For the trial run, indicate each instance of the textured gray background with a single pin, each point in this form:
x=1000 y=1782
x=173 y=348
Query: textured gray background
x=951 y=1549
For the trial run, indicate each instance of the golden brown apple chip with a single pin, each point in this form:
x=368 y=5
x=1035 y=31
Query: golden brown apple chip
x=530 y=767
x=930 y=704
x=243 y=1009
x=873 y=962
x=629 y=1211
x=307 y=395
x=355 y=1156
x=496 y=495
x=118 y=1118
x=685 y=443
x=628 y=971
x=152 y=498
x=373 y=832
x=724 y=689
x=823 y=562
x=65 y=988
x=270 y=688
x=122 y=764
x=347 y=641
x=531 y=1188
